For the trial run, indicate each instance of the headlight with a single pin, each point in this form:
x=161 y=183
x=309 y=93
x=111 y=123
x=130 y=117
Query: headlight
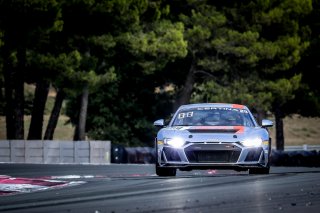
x=252 y=142
x=175 y=142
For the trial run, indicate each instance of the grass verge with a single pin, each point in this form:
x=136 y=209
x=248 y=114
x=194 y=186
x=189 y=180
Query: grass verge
x=64 y=131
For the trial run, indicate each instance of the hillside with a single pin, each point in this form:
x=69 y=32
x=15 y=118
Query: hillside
x=300 y=130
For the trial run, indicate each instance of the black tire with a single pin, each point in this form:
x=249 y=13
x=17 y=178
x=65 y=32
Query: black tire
x=265 y=170
x=185 y=169
x=259 y=171
x=165 y=172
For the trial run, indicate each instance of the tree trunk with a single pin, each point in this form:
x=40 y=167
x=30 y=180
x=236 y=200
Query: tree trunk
x=279 y=129
x=185 y=94
x=261 y=114
x=9 y=103
x=19 y=93
x=8 y=83
x=2 y=97
x=39 y=103
x=53 y=120
x=80 y=130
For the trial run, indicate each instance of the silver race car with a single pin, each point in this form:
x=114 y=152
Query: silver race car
x=212 y=136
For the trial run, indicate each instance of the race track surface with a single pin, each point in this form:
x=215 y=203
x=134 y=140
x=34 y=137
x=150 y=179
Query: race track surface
x=136 y=188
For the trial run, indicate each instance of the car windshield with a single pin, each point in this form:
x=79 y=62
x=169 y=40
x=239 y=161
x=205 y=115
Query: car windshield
x=213 y=116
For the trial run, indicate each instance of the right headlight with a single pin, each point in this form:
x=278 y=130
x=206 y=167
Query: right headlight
x=252 y=142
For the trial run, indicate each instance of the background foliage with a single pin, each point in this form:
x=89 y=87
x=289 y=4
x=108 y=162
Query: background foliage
x=120 y=65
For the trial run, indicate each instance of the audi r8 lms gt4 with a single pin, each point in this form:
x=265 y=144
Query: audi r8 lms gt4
x=212 y=136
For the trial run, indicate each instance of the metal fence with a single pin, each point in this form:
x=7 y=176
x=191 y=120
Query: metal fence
x=55 y=152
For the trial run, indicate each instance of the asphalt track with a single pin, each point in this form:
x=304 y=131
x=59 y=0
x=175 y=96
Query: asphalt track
x=136 y=188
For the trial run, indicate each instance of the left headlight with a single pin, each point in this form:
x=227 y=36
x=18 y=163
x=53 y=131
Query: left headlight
x=252 y=142
x=174 y=142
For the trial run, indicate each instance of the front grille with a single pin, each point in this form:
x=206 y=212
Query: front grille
x=212 y=153
x=171 y=154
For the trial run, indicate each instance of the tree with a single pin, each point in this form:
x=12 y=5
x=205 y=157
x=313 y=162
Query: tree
x=307 y=97
x=90 y=28
x=124 y=114
x=202 y=22
x=2 y=96
x=21 y=22
x=58 y=71
x=54 y=116
x=291 y=41
x=255 y=43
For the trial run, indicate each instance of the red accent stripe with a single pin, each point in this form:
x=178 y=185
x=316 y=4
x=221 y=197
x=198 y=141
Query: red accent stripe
x=237 y=106
x=239 y=129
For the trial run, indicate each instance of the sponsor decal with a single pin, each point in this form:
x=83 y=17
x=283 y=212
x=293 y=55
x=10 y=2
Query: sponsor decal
x=237 y=108
x=160 y=142
x=265 y=143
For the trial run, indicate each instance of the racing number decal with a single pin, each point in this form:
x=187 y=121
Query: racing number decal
x=185 y=114
x=189 y=114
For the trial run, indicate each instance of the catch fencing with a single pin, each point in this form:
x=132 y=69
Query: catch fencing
x=55 y=152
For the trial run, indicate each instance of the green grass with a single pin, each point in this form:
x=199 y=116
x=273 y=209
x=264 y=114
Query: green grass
x=63 y=130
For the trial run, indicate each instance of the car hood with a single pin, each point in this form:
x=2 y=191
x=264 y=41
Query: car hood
x=211 y=133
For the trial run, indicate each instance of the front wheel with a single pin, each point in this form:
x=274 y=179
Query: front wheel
x=164 y=172
x=264 y=170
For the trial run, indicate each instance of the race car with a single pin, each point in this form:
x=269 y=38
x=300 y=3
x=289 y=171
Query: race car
x=212 y=136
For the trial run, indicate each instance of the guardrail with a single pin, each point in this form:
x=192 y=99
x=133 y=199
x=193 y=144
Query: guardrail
x=55 y=152
x=304 y=147
x=97 y=152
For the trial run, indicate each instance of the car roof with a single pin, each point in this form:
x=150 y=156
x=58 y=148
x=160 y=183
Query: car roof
x=229 y=105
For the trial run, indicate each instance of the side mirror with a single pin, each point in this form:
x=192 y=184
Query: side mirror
x=159 y=123
x=267 y=123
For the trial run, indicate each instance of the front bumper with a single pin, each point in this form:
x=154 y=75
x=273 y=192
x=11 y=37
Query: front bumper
x=205 y=155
